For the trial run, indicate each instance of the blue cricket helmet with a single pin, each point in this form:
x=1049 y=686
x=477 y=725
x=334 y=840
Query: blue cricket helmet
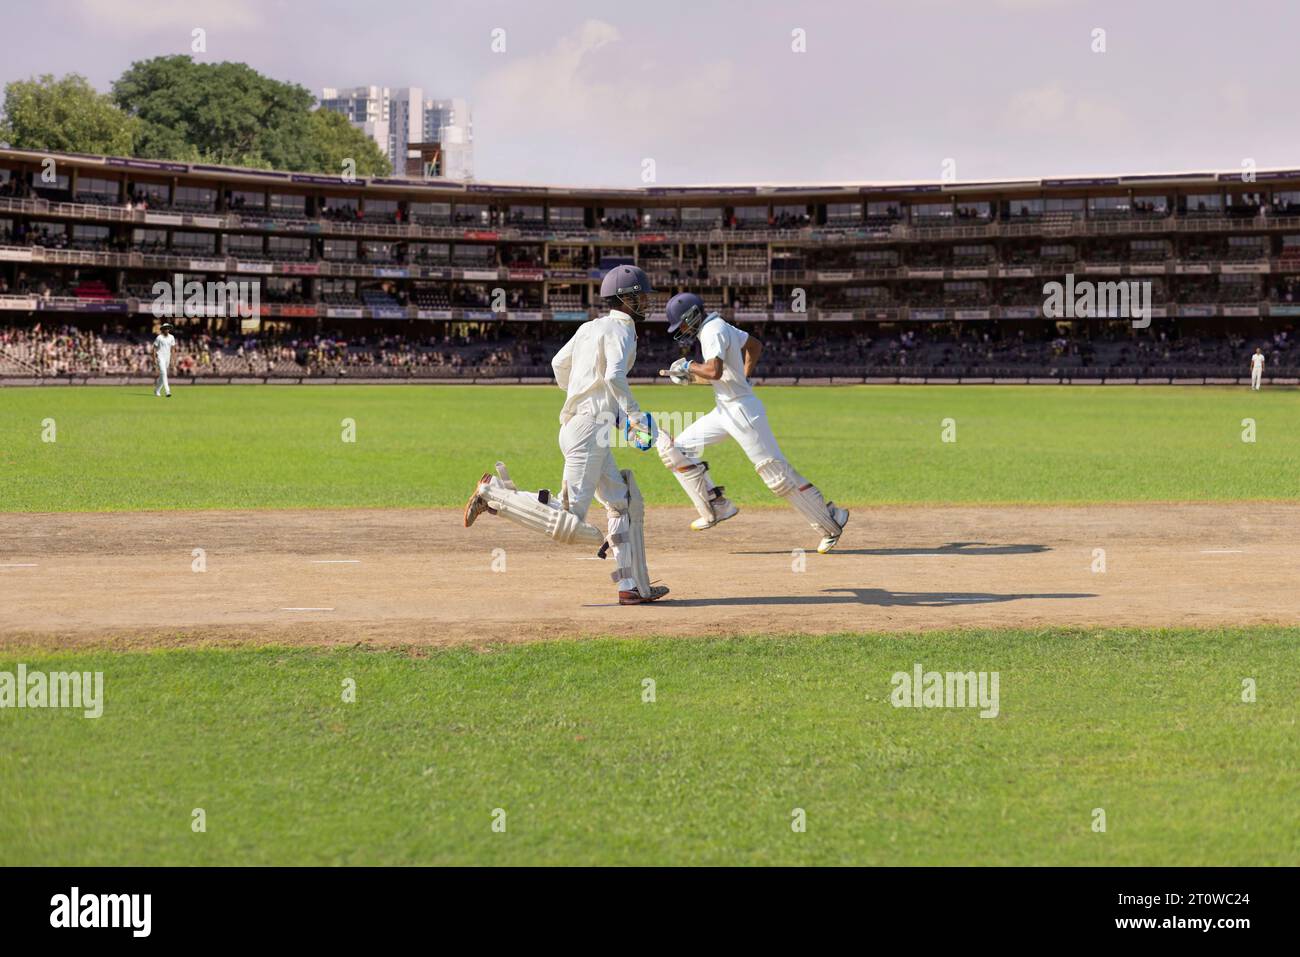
x=686 y=313
x=629 y=287
x=623 y=280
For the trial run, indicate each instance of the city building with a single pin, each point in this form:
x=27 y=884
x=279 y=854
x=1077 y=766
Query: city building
x=406 y=126
x=368 y=108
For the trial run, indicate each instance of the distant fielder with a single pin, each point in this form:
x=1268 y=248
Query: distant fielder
x=592 y=368
x=730 y=356
x=162 y=347
x=1256 y=368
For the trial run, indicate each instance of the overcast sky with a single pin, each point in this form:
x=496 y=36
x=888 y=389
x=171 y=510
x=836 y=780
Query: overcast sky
x=714 y=93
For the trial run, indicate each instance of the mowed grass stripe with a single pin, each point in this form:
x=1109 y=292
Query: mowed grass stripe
x=1148 y=725
x=235 y=447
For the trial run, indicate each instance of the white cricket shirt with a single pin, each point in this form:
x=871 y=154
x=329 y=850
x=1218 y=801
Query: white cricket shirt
x=720 y=339
x=593 y=366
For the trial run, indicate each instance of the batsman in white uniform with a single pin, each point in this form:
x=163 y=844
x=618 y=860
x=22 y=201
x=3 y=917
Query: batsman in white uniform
x=592 y=368
x=730 y=355
x=162 y=347
x=1256 y=369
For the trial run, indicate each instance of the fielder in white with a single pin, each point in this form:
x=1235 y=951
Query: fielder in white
x=592 y=368
x=162 y=347
x=1256 y=369
x=730 y=355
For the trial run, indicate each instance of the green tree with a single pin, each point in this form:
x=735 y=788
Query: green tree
x=334 y=140
x=173 y=108
x=66 y=115
x=216 y=112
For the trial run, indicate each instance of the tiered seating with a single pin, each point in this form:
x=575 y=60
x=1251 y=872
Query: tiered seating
x=432 y=299
x=565 y=300
x=980 y=256
x=377 y=297
x=340 y=299
x=1239 y=291
x=475 y=257
x=93 y=289
x=1060 y=217
x=1058 y=254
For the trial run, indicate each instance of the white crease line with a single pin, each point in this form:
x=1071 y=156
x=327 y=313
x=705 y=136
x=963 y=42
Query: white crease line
x=20 y=565
x=1222 y=551
x=306 y=609
x=336 y=561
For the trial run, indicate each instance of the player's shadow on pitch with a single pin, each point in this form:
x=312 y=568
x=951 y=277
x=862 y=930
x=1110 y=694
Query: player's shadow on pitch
x=951 y=548
x=879 y=597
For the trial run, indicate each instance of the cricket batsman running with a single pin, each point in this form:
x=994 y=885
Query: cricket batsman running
x=592 y=368
x=730 y=356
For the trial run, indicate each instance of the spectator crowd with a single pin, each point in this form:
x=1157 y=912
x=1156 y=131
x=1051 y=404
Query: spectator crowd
x=519 y=351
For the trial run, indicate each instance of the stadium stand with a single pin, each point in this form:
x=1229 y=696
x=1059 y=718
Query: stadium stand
x=398 y=278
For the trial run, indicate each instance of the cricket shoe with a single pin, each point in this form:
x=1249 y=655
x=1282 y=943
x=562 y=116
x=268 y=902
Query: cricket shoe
x=477 y=504
x=634 y=597
x=723 y=509
x=841 y=516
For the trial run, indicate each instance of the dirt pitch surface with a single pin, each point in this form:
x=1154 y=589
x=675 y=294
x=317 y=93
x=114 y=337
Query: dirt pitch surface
x=419 y=578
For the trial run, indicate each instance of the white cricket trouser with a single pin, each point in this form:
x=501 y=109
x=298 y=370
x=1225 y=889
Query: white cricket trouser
x=162 y=385
x=744 y=420
x=590 y=472
x=1255 y=376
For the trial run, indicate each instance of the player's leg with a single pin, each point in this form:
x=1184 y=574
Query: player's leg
x=680 y=456
x=158 y=382
x=748 y=423
x=625 y=513
x=564 y=520
x=497 y=495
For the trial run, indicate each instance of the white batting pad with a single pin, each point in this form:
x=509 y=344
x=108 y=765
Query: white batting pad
x=691 y=474
x=630 y=553
x=524 y=509
x=782 y=479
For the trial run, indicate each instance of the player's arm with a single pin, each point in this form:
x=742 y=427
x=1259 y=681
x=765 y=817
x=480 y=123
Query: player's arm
x=563 y=362
x=752 y=350
x=617 y=348
x=710 y=370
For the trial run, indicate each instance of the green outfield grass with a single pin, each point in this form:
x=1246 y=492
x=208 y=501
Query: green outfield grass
x=276 y=447
x=1149 y=726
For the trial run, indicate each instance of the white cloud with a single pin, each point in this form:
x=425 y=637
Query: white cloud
x=584 y=85
x=1034 y=108
x=1050 y=107
x=1096 y=114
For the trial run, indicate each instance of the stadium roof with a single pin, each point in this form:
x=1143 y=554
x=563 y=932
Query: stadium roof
x=718 y=190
